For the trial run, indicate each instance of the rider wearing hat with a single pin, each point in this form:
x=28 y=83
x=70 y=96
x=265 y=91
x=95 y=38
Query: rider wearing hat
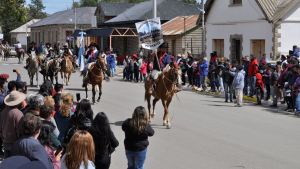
x=32 y=52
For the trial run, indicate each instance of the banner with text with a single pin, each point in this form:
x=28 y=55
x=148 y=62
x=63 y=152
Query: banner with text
x=150 y=34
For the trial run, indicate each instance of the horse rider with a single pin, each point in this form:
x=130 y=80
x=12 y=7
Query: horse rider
x=32 y=52
x=92 y=55
x=166 y=62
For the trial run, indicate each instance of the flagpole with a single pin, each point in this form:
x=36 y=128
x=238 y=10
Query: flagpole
x=155 y=16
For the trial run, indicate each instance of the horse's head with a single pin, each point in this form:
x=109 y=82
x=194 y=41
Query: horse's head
x=101 y=63
x=174 y=73
x=56 y=64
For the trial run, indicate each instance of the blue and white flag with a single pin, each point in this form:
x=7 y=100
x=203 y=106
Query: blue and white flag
x=80 y=59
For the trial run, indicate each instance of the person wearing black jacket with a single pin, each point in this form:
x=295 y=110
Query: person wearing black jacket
x=104 y=139
x=137 y=130
x=227 y=80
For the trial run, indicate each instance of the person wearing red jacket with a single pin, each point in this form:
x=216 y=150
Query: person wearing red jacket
x=259 y=84
x=252 y=71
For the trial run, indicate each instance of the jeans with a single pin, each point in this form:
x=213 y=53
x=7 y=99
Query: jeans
x=268 y=91
x=136 y=159
x=228 y=90
x=298 y=103
x=252 y=82
x=239 y=96
x=246 y=85
x=202 y=81
x=274 y=91
x=112 y=71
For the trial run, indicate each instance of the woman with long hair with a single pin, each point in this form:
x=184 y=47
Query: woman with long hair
x=63 y=117
x=80 y=152
x=137 y=130
x=105 y=141
x=45 y=139
x=81 y=120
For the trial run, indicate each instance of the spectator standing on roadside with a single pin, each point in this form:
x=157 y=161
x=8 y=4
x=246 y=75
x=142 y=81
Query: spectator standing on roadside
x=137 y=130
x=104 y=139
x=274 y=84
x=10 y=119
x=29 y=146
x=238 y=85
x=252 y=70
x=80 y=152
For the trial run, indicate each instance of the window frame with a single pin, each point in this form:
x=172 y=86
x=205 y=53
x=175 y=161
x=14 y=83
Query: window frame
x=232 y=4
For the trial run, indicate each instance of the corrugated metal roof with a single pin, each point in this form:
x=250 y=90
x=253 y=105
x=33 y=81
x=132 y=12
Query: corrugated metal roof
x=166 y=10
x=25 y=28
x=85 y=16
x=268 y=7
x=284 y=7
x=179 y=25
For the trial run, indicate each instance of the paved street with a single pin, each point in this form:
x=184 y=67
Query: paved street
x=206 y=133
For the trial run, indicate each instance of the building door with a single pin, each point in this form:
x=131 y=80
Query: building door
x=174 y=48
x=236 y=48
x=218 y=46
x=258 y=47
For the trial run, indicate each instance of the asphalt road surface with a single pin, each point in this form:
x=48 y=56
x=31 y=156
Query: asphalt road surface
x=206 y=133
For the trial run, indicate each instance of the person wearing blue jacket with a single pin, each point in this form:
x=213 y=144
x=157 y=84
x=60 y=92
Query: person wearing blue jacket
x=238 y=85
x=203 y=73
x=111 y=61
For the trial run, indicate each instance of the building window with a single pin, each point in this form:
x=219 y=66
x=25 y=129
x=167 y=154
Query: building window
x=235 y=2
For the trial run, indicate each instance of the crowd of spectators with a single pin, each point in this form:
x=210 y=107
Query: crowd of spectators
x=53 y=130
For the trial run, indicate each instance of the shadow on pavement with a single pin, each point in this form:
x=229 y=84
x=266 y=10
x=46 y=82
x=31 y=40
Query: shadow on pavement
x=75 y=89
x=218 y=105
x=117 y=123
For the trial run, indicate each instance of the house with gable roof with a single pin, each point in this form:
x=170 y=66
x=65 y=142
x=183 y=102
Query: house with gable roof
x=237 y=28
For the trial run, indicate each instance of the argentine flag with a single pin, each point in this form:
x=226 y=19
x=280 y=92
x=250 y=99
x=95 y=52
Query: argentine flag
x=80 y=59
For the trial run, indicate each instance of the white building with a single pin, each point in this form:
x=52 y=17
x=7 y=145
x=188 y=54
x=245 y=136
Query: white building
x=22 y=33
x=236 y=28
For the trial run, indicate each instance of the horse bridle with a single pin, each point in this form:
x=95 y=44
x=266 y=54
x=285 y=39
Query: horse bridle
x=172 y=82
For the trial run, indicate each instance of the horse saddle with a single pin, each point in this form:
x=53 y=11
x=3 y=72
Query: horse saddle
x=154 y=74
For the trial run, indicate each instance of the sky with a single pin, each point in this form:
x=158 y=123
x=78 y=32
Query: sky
x=53 y=6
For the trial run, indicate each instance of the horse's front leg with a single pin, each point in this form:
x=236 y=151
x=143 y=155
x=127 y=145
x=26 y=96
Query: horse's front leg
x=155 y=100
x=94 y=94
x=100 y=92
x=167 y=118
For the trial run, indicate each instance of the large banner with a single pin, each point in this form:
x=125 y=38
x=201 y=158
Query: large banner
x=150 y=34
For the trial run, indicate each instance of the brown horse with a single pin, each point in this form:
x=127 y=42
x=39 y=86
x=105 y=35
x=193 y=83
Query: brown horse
x=32 y=69
x=164 y=91
x=95 y=76
x=66 y=69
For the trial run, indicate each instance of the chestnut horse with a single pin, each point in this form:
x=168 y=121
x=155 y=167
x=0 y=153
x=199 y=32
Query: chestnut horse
x=66 y=69
x=95 y=76
x=164 y=91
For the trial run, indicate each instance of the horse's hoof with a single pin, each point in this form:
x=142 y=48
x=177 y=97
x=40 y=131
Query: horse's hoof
x=164 y=123
x=98 y=100
x=168 y=125
x=152 y=115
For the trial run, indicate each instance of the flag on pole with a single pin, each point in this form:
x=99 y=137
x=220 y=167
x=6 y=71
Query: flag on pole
x=80 y=59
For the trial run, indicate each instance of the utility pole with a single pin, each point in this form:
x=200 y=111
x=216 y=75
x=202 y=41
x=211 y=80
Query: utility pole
x=154 y=8
x=75 y=16
x=203 y=27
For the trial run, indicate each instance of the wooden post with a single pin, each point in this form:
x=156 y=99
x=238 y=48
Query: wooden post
x=110 y=43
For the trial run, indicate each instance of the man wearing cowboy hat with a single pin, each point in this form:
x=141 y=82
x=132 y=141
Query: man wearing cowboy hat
x=9 y=120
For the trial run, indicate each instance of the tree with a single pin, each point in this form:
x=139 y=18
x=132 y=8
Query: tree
x=13 y=14
x=84 y=3
x=76 y=5
x=36 y=10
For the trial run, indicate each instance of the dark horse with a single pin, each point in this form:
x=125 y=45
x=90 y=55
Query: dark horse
x=20 y=54
x=50 y=70
x=95 y=76
x=164 y=91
